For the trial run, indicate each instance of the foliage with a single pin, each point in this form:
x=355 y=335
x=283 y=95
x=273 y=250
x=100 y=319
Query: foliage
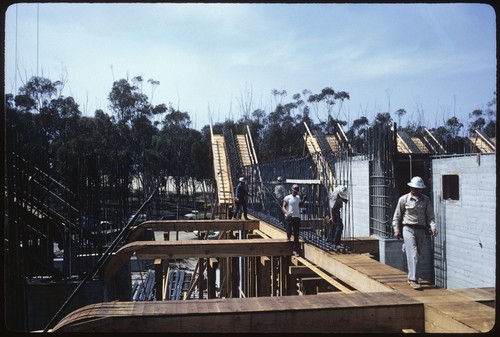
x=53 y=131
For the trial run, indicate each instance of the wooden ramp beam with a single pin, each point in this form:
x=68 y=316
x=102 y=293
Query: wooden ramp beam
x=190 y=225
x=196 y=249
x=328 y=313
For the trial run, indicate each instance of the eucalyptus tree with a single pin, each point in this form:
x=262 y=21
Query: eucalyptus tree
x=357 y=133
x=484 y=120
x=49 y=122
x=256 y=125
x=175 y=148
x=282 y=133
x=453 y=125
x=197 y=163
x=326 y=99
x=132 y=113
x=447 y=135
x=37 y=94
x=382 y=118
x=31 y=140
x=491 y=118
x=478 y=123
x=400 y=113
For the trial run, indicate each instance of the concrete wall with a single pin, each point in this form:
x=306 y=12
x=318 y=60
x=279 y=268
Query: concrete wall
x=464 y=252
x=357 y=211
x=465 y=249
x=391 y=253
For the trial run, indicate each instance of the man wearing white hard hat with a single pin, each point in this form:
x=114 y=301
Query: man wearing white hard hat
x=279 y=189
x=338 y=198
x=240 y=200
x=280 y=193
x=415 y=214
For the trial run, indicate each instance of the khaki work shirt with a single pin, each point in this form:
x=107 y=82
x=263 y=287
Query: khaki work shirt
x=413 y=211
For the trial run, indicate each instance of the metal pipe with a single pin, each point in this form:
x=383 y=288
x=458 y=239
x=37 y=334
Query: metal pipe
x=411 y=173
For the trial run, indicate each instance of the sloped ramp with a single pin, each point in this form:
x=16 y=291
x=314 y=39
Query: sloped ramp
x=482 y=142
x=221 y=170
x=244 y=150
x=312 y=144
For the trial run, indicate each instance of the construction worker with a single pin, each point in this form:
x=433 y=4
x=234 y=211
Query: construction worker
x=279 y=190
x=241 y=199
x=337 y=200
x=291 y=209
x=279 y=193
x=415 y=213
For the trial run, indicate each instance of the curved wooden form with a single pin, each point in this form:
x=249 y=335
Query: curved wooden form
x=196 y=248
x=191 y=225
x=326 y=313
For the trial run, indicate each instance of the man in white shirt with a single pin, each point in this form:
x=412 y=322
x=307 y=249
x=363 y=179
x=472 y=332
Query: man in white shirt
x=414 y=212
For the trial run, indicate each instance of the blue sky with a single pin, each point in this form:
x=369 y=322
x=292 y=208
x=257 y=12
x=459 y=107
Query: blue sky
x=215 y=61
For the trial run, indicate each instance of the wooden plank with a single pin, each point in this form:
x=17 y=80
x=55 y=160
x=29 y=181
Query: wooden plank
x=324 y=275
x=312 y=281
x=436 y=322
x=461 y=316
x=300 y=271
x=264 y=276
x=487 y=294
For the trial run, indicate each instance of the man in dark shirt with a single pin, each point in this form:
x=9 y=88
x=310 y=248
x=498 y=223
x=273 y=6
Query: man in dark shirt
x=240 y=200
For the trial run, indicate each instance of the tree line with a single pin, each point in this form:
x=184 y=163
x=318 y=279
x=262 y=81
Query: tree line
x=154 y=141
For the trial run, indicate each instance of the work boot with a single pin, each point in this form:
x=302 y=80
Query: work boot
x=415 y=285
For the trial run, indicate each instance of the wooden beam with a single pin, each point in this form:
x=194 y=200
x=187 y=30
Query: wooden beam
x=309 y=282
x=158 y=263
x=342 y=266
x=264 y=276
x=196 y=249
x=211 y=277
x=326 y=276
x=300 y=271
x=191 y=225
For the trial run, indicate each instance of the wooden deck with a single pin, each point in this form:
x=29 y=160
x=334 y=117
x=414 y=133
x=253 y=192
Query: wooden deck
x=446 y=310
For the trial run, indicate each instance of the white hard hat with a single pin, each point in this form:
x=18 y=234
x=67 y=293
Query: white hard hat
x=416 y=182
x=295 y=187
x=342 y=191
x=280 y=179
x=242 y=179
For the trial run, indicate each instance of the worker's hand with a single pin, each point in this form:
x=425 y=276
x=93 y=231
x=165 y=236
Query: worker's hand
x=397 y=235
x=434 y=232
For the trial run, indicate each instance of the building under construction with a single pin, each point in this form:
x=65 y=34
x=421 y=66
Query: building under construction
x=240 y=275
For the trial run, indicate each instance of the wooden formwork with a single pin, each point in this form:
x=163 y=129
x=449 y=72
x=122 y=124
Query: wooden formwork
x=320 y=292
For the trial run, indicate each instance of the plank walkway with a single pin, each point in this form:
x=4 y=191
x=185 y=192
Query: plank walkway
x=446 y=310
